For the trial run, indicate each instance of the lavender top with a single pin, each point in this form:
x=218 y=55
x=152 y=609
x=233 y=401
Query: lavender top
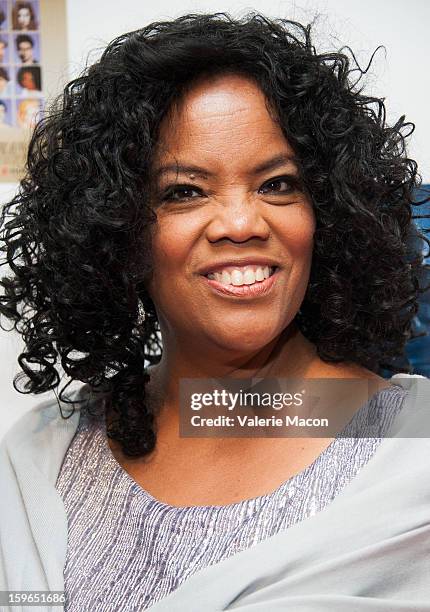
x=127 y=550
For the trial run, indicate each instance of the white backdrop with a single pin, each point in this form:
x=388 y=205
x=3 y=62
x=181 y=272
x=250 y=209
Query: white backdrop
x=399 y=73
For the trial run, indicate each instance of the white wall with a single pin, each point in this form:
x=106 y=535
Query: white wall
x=400 y=74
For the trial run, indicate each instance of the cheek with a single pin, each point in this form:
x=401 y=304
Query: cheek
x=173 y=238
x=172 y=244
x=296 y=231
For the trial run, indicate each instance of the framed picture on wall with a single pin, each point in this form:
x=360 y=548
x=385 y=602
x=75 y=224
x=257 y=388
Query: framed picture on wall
x=33 y=55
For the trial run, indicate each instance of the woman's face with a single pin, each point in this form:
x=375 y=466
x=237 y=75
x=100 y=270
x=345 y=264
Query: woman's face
x=27 y=80
x=23 y=18
x=27 y=113
x=237 y=198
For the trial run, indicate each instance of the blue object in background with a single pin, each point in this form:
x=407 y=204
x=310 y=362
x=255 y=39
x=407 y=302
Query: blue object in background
x=418 y=349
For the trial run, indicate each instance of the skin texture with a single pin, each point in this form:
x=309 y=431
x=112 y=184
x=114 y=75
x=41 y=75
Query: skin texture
x=224 y=125
x=226 y=129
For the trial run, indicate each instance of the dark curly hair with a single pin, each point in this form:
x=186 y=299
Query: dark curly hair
x=79 y=237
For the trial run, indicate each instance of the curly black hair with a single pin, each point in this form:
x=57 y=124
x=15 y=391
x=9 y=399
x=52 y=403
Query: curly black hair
x=79 y=236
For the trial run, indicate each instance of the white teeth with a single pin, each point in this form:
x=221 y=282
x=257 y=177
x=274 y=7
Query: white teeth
x=259 y=274
x=236 y=278
x=241 y=277
x=249 y=277
x=226 y=278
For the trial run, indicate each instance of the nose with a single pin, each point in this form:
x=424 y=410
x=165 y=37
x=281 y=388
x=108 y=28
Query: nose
x=239 y=219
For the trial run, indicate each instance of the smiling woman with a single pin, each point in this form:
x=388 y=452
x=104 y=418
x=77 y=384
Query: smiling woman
x=245 y=213
x=215 y=199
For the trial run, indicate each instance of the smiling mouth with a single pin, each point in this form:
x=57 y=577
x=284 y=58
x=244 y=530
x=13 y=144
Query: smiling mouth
x=250 y=289
x=245 y=276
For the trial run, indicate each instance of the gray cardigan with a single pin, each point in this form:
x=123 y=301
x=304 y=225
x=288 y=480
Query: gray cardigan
x=368 y=550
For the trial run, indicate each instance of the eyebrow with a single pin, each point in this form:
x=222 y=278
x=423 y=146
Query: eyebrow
x=270 y=164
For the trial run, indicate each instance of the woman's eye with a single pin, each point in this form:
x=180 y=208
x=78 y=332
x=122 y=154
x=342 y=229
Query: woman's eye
x=279 y=185
x=180 y=193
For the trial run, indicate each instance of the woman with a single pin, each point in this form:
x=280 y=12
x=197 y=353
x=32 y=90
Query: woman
x=24 y=17
x=29 y=81
x=219 y=182
x=26 y=112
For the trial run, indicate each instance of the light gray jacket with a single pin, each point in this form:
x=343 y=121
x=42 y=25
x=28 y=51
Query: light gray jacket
x=367 y=551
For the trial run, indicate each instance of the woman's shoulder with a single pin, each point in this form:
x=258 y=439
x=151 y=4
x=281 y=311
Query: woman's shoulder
x=43 y=421
x=353 y=370
x=413 y=421
x=418 y=387
x=33 y=449
x=409 y=378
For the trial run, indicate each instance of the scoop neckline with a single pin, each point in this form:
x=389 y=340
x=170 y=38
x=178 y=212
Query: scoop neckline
x=257 y=500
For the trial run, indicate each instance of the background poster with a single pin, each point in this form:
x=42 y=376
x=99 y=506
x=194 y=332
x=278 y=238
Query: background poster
x=33 y=57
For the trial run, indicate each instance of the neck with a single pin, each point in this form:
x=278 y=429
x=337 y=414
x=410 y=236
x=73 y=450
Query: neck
x=289 y=355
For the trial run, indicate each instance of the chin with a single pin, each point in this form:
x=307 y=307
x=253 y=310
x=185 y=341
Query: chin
x=245 y=340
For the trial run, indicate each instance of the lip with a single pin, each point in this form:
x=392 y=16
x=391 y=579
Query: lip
x=257 y=289
x=249 y=261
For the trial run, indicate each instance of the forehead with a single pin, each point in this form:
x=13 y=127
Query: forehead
x=228 y=115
